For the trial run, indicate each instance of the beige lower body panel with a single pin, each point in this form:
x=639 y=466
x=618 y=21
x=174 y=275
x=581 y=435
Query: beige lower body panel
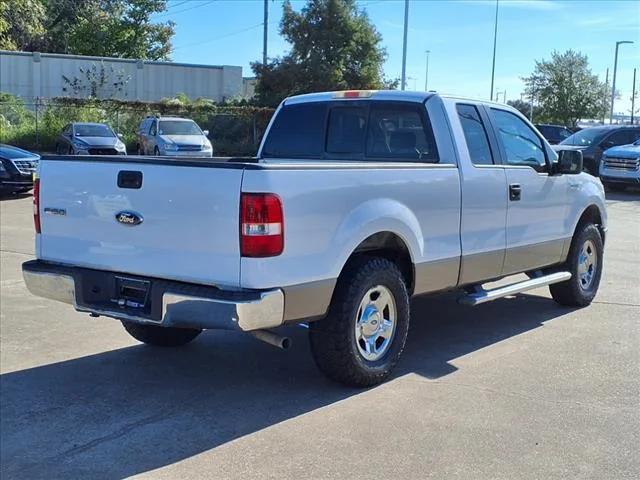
x=308 y=300
x=436 y=275
x=531 y=257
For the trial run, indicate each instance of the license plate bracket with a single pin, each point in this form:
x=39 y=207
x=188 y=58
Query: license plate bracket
x=132 y=292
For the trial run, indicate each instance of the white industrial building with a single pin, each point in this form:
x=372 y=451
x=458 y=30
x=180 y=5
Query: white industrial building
x=33 y=75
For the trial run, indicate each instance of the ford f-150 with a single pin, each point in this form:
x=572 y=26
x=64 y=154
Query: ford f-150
x=356 y=201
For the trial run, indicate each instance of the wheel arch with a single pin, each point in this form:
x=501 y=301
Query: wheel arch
x=592 y=214
x=391 y=246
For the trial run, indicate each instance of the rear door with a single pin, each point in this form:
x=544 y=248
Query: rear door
x=484 y=197
x=188 y=228
x=537 y=202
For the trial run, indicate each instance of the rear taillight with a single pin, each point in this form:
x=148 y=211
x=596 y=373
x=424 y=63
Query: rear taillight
x=261 y=225
x=36 y=204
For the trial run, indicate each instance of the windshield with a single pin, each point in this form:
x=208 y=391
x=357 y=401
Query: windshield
x=584 y=138
x=93 y=131
x=177 y=127
x=14 y=153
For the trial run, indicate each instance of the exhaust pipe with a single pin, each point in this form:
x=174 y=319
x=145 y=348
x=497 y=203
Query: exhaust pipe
x=272 y=338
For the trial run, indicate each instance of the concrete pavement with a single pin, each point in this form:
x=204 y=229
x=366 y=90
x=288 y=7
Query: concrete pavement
x=517 y=388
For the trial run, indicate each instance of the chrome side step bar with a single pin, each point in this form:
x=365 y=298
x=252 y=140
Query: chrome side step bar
x=480 y=295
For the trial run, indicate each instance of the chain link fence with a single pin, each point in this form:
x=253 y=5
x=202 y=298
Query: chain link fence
x=233 y=130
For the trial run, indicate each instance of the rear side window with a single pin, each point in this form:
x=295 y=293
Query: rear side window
x=297 y=132
x=399 y=132
x=475 y=134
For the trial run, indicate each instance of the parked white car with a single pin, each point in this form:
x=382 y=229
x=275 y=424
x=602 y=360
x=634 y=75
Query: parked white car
x=172 y=136
x=355 y=202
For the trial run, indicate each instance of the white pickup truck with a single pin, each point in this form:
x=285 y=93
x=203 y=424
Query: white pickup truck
x=355 y=202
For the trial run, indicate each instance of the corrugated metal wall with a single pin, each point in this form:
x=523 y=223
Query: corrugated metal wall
x=31 y=75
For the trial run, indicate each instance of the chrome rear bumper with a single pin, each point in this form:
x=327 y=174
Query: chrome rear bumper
x=182 y=305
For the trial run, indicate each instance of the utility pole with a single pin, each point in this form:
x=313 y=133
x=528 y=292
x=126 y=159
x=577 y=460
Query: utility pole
x=633 y=95
x=426 y=76
x=615 y=68
x=604 y=107
x=403 y=81
x=265 y=33
x=495 y=38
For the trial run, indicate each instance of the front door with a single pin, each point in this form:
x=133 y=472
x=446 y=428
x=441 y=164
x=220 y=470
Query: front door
x=537 y=201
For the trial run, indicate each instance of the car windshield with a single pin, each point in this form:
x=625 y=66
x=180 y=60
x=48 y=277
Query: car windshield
x=93 y=131
x=177 y=127
x=13 y=153
x=585 y=137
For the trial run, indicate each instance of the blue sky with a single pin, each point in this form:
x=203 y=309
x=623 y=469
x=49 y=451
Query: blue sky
x=459 y=34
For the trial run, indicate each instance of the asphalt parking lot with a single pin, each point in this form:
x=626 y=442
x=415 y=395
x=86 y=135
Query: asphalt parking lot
x=518 y=388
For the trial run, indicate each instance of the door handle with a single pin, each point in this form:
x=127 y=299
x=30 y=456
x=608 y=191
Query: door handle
x=515 y=192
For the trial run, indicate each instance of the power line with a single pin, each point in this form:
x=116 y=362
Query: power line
x=176 y=4
x=186 y=9
x=223 y=36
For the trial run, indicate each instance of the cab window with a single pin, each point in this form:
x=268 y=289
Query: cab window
x=475 y=134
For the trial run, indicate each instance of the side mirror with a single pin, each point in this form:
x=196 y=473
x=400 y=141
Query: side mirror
x=206 y=133
x=607 y=144
x=120 y=135
x=569 y=162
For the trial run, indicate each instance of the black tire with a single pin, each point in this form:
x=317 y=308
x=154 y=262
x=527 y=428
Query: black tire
x=333 y=339
x=574 y=292
x=161 y=336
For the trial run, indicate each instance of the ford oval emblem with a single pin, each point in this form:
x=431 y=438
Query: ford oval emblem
x=128 y=218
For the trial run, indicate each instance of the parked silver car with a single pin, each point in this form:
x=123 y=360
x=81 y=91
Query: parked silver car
x=89 y=139
x=172 y=136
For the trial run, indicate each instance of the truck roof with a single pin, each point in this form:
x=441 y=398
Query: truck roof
x=372 y=94
x=398 y=95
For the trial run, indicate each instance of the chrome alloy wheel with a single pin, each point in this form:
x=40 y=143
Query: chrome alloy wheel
x=587 y=265
x=375 y=323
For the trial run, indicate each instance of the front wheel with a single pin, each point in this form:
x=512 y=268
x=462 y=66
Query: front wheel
x=585 y=264
x=161 y=336
x=361 y=339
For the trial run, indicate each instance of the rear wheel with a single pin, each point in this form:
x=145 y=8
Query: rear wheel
x=585 y=264
x=161 y=336
x=361 y=339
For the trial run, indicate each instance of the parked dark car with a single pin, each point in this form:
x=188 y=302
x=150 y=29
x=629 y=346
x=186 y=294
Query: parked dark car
x=89 y=139
x=592 y=142
x=554 y=133
x=17 y=167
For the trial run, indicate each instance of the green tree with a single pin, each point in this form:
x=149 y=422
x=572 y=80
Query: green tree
x=525 y=108
x=334 y=46
x=110 y=28
x=566 y=90
x=21 y=23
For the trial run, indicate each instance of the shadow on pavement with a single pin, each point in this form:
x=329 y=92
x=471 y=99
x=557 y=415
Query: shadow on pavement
x=14 y=196
x=132 y=410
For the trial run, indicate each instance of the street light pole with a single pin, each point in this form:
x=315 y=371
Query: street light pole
x=265 y=32
x=403 y=81
x=615 y=68
x=426 y=76
x=604 y=106
x=495 y=38
x=633 y=95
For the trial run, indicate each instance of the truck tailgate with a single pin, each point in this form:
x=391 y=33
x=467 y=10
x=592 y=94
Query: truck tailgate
x=189 y=229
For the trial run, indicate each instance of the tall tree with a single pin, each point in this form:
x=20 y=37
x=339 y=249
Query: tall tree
x=525 y=108
x=565 y=88
x=112 y=28
x=334 y=46
x=21 y=23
